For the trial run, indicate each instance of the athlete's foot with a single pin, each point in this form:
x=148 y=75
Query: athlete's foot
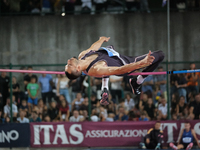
x=136 y=88
x=189 y=146
x=173 y=146
x=104 y=97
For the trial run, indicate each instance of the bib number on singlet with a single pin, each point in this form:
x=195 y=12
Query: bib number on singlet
x=187 y=140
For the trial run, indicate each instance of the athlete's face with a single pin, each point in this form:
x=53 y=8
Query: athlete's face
x=157 y=126
x=187 y=126
x=71 y=65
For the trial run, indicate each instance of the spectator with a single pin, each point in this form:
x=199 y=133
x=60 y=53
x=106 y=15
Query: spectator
x=147 y=86
x=103 y=114
x=192 y=80
x=173 y=79
x=181 y=85
x=150 y=109
x=115 y=87
x=7 y=120
x=132 y=116
x=186 y=138
x=94 y=118
x=55 y=81
x=122 y=104
x=47 y=118
x=143 y=117
x=121 y=116
x=46 y=82
x=144 y=6
x=100 y=5
x=34 y=117
x=76 y=86
x=15 y=89
x=76 y=117
x=22 y=118
x=86 y=6
x=4 y=84
x=161 y=81
x=64 y=111
x=62 y=87
x=174 y=101
x=129 y=102
x=194 y=108
x=33 y=91
x=7 y=109
x=162 y=110
x=53 y=111
x=1 y=117
x=24 y=107
x=35 y=6
x=153 y=139
x=85 y=105
x=97 y=85
x=15 y=6
x=41 y=108
x=94 y=101
x=46 y=6
x=77 y=102
x=181 y=106
x=20 y=81
x=27 y=78
x=69 y=6
x=143 y=101
x=133 y=5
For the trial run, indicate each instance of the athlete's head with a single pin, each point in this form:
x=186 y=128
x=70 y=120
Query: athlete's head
x=157 y=125
x=72 y=69
x=187 y=125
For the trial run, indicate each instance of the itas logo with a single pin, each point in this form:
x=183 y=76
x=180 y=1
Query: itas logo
x=8 y=136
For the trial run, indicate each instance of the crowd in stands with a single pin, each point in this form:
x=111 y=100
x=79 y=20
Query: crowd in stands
x=47 y=98
x=86 y=6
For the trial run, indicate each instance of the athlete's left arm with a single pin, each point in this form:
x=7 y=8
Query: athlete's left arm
x=194 y=134
x=95 y=46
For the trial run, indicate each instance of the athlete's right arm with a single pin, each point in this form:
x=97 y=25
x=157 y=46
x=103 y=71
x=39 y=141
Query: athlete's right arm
x=101 y=71
x=95 y=46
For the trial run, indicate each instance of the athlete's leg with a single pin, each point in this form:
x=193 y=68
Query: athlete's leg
x=136 y=83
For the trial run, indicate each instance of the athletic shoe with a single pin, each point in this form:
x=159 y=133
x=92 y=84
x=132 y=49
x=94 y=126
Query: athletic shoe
x=173 y=146
x=104 y=97
x=189 y=146
x=142 y=146
x=136 y=88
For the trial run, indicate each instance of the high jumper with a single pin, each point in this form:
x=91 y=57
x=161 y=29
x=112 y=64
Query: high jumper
x=102 y=62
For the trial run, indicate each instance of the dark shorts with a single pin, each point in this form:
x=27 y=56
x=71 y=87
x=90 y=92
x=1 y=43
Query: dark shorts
x=185 y=144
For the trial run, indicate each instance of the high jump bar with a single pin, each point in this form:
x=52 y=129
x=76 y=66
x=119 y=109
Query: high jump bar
x=134 y=73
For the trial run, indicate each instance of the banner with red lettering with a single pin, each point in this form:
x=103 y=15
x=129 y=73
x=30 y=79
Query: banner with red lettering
x=101 y=134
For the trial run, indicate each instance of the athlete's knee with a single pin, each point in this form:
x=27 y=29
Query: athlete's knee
x=161 y=55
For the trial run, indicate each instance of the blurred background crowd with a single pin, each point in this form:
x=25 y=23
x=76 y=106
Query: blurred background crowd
x=89 y=6
x=49 y=98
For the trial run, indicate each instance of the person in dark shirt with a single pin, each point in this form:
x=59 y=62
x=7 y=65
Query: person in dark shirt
x=153 y=139
x=4 y=84
x=53 y=111
x=194 y=108
x=27 y=78
x=15 y=90
x=181 y=85
x=121 y=116
x=150 y=109
x=180 y=107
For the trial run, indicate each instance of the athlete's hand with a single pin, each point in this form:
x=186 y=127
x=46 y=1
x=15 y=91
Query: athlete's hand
x=148 y=60
x=105 y=39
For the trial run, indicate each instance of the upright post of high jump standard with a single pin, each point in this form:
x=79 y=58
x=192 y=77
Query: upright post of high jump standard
x=89 y=94
x=11 y=113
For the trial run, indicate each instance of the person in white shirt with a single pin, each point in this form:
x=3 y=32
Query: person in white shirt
x=7 y=109
x=162 y=110
x=76 y=117
x=129 y=102
x=22 y=118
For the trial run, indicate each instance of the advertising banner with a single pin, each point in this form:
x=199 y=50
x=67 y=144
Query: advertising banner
x=101 y=134
x=15 y=135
